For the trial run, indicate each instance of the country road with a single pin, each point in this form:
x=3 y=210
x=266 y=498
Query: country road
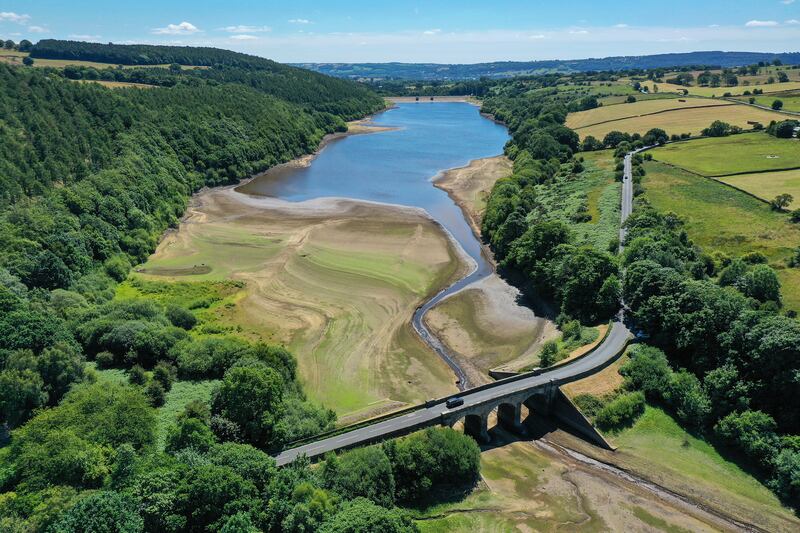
x=430 y=415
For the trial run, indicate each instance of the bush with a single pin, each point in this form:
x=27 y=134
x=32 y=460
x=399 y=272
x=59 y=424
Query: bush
x=104 y=360
x=165 y=374
x=137 y=375
x=753 y=432
x=365 y=472
x=647 y=371
x=155 y=393
x=181 y=317
x=621 y=412
x=101 y=512
x=549 y=354
x=117 y=267
x=429 y=458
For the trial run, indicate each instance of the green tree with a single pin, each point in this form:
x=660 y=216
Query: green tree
x=27 y=61
x=762 y=284
x=622 y=411
x=431 y=457
x=25 y=45
x=753 y=432
x=363 y=516
x=251 y=395
x=155 y=393
x=181 y=317
x=687 y=397
x=782 y=201
x=21 y=392
x=549 y=354
x=365 y=472
x=783 y=77
x=189 y=433
x=777 y=105
x=102 y=512
x=647 y=370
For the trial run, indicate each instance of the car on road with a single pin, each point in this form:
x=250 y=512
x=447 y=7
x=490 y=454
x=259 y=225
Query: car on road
x=454 y=402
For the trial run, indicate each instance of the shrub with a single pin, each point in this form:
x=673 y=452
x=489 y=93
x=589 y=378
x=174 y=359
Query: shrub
x=137 y=375
x=155 y=393
x=647 y=371
x=753 y=432
x=181 y=317
x=117 y=267
x=549 y=354
x=165 y=374
x=104 y=360
x=621 y=411
x=365 y=472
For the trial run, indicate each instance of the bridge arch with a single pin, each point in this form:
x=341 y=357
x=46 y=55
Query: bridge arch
x=476 y=425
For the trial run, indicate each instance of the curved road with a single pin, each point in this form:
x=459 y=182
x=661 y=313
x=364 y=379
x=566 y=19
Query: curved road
x=431 y=413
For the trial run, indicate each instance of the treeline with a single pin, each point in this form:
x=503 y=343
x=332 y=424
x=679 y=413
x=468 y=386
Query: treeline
x=91 y=464
x=581 y=280
x=147 y=54
x=91 y=177
x=719 y=319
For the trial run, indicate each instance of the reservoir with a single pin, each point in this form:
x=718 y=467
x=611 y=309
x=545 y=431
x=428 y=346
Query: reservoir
x=397 y=167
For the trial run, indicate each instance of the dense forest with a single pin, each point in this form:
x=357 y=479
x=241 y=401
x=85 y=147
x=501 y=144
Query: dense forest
x=720 y=353
x=148 y=54
x=91 y=177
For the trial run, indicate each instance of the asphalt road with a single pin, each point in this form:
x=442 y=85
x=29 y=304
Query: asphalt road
x=431 y=415
x=627 y=198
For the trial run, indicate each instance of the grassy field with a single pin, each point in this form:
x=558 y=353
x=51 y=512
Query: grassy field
x=720 y=91
x=609 y=113
x=15 y=57
x=791 y=102
x=660 y=449
x=691 y=121
x=769 y=185
x=722 y=156
x=337 y=285
x=640 y=97
x=719 y=218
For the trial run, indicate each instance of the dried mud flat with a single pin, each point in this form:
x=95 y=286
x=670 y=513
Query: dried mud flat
x=335 y=280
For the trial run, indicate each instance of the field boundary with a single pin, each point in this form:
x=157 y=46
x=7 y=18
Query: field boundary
x=716 y=180
x=753 y=172
x=654 y=113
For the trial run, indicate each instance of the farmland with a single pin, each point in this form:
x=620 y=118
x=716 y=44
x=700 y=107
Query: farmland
x=721 y=219
x=720 y=91
x=692 y=121
x=768 y=185
x=610 y=113
x=736 y=154
x=791 y=101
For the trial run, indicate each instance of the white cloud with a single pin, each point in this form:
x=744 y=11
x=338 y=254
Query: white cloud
x=578 y=32
x=299 y=21
x=622 y=26
x=792 y=22
x=787 y=2
x=184 y=28
x=761 y=24
x=433 y=31
x=10 y=16
x=244 y=37
x=84 y=37
x=246 y=29
x=537 y=36
x=37 y=29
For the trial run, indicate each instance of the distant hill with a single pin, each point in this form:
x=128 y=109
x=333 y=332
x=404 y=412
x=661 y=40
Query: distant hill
x=506 y=69
x=147 y=54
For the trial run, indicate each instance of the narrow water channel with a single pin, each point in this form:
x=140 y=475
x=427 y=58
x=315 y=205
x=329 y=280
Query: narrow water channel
x=397 y=167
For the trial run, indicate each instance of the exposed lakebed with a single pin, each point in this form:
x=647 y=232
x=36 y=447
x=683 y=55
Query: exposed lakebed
x=396 y=167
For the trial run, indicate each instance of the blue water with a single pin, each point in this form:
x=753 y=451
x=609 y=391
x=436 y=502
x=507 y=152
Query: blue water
x=397 y=167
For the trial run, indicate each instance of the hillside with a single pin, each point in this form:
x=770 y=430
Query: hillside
x=508 y=69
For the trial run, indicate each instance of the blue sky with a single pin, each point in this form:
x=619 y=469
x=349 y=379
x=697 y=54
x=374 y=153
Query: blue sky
x=433 y=31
